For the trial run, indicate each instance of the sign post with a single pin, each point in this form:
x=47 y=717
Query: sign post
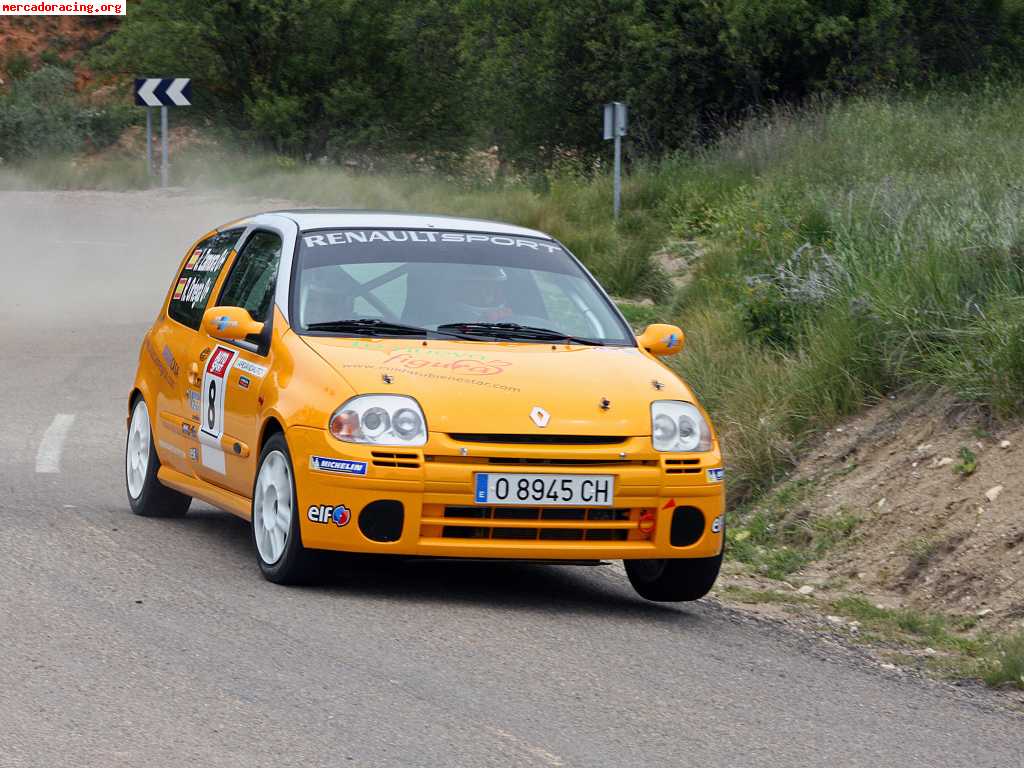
x=161 y=92
x=149 y=141
x=615 y=128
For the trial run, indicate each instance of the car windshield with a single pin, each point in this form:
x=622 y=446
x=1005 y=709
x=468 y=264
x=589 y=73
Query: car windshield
x=362 y=282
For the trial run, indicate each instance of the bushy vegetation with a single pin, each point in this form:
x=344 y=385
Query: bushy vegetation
x=433 y=77
x=40 y=116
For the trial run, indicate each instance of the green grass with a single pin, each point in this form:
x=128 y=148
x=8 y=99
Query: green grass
x=845 y=251
x=775 y=536
x=1007 y=668
x=999 y=661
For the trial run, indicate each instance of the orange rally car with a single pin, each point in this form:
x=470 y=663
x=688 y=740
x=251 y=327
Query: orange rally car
x=421 y=386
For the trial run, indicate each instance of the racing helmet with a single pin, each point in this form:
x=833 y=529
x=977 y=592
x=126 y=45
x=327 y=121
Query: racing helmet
x=479 y=291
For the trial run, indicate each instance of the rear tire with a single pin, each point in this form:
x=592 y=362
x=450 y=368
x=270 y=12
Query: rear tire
x=275 y=519
x=675 y=580
x=146 y=495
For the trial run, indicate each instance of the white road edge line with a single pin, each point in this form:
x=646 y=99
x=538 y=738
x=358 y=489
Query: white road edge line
x=48 y=455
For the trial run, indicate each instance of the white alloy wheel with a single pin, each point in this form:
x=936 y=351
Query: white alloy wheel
x=272 y=507
x=137 y=455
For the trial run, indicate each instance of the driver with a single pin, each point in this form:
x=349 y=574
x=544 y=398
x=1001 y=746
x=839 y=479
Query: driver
x=480 y=295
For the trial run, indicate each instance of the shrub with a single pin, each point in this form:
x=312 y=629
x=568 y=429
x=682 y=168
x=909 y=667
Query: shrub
x=41 y=116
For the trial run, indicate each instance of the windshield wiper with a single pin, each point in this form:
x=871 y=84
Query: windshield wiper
x=517 y=331
x=374 y=327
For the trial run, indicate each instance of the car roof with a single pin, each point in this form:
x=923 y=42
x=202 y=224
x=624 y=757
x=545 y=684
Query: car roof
x=340 y=218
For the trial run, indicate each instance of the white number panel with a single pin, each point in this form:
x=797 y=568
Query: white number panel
x=211 y=408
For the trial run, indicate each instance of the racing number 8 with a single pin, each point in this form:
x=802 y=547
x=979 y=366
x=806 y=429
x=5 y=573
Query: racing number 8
x=211 y=413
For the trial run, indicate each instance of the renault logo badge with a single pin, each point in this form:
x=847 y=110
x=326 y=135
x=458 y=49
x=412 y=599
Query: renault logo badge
x=540 y=416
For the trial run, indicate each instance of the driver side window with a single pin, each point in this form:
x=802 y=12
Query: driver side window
x=253 y=276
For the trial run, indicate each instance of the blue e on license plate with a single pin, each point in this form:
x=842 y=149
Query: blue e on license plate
x=536 y=490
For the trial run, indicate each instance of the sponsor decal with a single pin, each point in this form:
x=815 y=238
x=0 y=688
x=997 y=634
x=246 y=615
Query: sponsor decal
x=716 y=475
x=337 y=466
x=194 y=398
x=180 y=288
x=172 y=449
x=348 y=237
x=158 y=362
x=225 y=322
x=254 y=370
x=204 y=354
x=188 y=429
x=171 y=362
x=320 y=513
x=243 y=382
x=717 y=524
x=193 y=453
x=219 y=362
x=491 y=384
x=671 y=340
x=462 y=365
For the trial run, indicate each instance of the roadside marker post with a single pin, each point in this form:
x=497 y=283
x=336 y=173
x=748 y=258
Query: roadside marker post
x=615 y=117
x=161 y=92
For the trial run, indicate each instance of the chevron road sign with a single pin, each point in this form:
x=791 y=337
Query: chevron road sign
x=163 y=92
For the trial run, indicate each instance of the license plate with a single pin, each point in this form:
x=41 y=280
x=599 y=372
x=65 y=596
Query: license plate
x=521 y=489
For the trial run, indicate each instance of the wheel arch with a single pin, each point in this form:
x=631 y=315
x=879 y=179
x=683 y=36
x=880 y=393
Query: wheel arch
x=272 y=425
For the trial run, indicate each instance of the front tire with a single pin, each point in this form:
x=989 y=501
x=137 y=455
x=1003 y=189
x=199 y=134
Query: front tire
x=146 y=495
x=675 y=580
x=275 y=519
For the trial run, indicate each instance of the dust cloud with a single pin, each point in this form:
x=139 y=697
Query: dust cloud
x=71 y=259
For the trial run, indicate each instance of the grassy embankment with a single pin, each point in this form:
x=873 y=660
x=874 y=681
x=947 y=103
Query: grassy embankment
x=837 y=254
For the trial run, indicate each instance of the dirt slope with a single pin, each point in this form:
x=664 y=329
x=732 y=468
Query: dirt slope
x=933 y=535
x=62 y=36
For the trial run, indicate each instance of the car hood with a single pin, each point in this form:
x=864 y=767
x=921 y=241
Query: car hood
x=492 y=387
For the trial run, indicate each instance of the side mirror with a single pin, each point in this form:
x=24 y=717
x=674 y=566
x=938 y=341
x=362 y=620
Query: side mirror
x=232 y=323
x=661 y=339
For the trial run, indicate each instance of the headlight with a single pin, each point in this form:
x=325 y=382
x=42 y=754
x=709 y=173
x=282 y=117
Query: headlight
x=380 y=420
x=678 y=426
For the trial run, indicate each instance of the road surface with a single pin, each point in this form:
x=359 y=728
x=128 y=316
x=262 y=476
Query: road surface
x=130 y=641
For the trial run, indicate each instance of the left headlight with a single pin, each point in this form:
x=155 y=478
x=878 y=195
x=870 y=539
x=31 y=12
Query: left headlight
x=678 y=426
x=380 y=420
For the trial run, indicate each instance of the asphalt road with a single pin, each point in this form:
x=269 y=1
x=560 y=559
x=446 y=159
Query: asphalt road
x=129 y=641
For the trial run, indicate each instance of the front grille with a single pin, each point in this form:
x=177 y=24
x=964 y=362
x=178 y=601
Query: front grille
x=539 y=439
x=595 y=524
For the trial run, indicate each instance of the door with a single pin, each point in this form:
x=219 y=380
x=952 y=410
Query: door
x=234 y=373
x=176 y=421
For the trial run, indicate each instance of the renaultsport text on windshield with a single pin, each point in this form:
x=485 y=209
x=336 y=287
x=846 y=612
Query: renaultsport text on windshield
x=410 y=236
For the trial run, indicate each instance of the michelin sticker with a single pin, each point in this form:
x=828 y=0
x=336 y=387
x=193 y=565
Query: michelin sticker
x=716 y=475
x=337 y=466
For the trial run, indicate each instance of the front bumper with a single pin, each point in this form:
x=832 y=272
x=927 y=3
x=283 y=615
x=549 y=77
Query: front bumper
x=435 y=486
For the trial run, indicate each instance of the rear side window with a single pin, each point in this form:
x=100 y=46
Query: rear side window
x=252 y=280
x=198 y=276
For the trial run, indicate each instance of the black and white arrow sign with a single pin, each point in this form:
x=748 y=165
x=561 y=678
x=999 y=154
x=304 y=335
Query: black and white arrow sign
x=163 y=92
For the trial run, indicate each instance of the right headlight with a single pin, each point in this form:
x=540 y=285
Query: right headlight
x=380 y=420
x=678 y=426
